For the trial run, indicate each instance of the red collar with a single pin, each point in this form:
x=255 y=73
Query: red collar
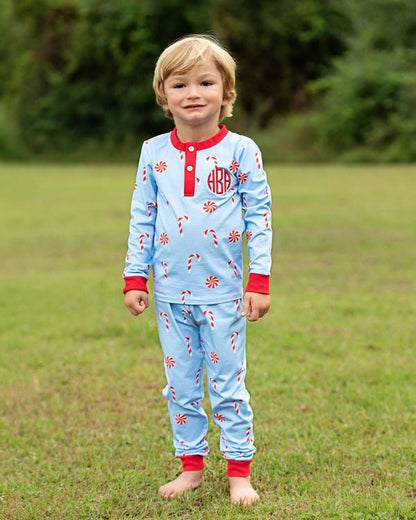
x=202 y=145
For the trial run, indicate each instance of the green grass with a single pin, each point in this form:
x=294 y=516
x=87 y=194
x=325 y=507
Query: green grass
x=84 y=431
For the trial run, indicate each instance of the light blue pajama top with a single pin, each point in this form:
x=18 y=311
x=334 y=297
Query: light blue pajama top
x=191 y=205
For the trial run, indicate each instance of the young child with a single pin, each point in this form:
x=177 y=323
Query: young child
x=199 y=188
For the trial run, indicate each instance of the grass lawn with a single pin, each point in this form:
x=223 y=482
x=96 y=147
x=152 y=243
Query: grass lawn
x=84 y=430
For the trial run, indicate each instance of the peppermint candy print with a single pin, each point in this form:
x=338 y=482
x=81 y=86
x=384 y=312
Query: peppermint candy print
x=214 y=357
x=212 y=282
x=164 y=239
x=169 y=361
x=180 y=221
x=180 y=419
x=209 y=206
x=249 y=235
x=190 y=259
x=234 y=167
x=242 y=177
x=160 y=167
x=234 y=236
x=213 y=234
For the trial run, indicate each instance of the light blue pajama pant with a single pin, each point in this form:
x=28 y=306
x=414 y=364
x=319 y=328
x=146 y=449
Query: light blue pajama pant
x=215 y=334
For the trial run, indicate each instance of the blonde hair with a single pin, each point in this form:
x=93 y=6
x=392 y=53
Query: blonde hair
x=183 y=55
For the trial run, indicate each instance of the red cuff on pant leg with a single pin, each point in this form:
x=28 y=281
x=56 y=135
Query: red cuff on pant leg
x=192 y=462
x=238 y=468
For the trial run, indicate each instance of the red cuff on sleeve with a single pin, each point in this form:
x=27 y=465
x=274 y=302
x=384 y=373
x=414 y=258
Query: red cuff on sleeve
x=135 y=283
x=192 y=462
x=258 y=283
x=238 y=468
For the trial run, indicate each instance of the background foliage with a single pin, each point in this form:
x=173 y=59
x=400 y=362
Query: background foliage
x=331 y=78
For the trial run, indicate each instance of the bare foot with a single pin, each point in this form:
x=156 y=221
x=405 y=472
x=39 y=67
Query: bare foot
x=241 y=491
x=186 y=481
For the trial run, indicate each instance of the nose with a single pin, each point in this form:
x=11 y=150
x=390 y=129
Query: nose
x=193 y=91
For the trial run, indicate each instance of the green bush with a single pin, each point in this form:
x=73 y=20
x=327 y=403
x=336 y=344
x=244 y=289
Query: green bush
x=367 y=107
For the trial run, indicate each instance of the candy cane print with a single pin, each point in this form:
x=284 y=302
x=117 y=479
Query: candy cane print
x=164 y=315
x=172 y=392
x=233 y=336
x=236 y=407
x=237 y=305
x=214 y=236
x=214 y=383
x=188 y=345
x=248 y=431
x=149 y=206
x=233 y=191
x=190 y=257
x=266 y=218
x=180 y=220
x=211 y=318
x=256 y=156
x=144 y=175
x=198 y=373
x=214 y=160
x=165 y=269
x=183 y=295
x=240 y=372
x=185 y=313
x=235 y=269
x=184 y=445
x=195 y=403
x=141 y=237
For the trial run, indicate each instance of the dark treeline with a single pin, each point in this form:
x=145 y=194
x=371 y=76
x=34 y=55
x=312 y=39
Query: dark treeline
x=77 y=74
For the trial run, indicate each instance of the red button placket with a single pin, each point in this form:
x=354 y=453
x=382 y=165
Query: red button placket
x=190 y=171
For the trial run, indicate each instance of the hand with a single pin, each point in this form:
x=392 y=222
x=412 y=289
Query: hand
x=255 y=305
x=136 y=301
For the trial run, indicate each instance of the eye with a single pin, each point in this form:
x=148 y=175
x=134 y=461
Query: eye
x=178 y=85
x=207 y=83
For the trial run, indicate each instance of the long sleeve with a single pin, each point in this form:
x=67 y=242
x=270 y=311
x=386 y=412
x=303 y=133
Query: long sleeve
x=142 y=225
x=256 y=198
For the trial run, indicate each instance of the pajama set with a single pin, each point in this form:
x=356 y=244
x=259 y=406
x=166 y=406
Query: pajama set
x=191 y=206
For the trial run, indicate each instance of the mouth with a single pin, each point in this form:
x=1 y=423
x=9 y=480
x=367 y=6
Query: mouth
x=193 y=106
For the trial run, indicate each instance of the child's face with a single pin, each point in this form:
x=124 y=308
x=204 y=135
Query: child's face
x=195 y=98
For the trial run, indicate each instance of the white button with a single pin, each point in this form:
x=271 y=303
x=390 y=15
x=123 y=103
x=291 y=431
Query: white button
x=189 y=168
x=191 y=148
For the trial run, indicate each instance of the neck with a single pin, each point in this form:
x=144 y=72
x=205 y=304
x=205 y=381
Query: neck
x=197 y=134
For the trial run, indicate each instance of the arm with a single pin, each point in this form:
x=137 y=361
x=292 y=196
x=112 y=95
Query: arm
x=141 y=236
x=256 y=198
